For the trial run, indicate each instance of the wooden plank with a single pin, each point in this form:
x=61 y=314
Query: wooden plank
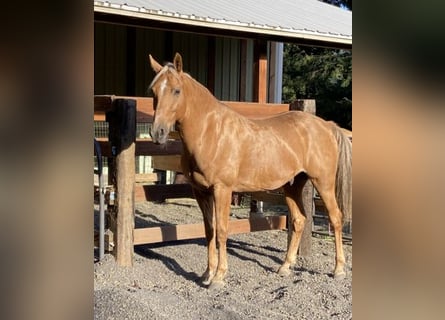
x=145 y=111
x=145 y=147
x=168 y=233
x=269 y=197
x=196 y=231
x=260 y=71
x=148 y=148
x=170 y=162
x=144 y=106
x=262 y=79
x=146 y=177
x=99 y=116
x=102 y=103
x=160 y=192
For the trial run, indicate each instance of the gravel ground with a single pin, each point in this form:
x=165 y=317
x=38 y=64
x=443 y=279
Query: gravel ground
x=164 y=281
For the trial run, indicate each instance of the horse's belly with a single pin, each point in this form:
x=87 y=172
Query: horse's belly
x=267 y=172
x=262 y=181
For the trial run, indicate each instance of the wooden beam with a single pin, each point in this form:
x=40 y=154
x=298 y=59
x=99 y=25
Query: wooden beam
x=160 y=192
x=170 y=162
x=269 y=197
x=145 y=111
x=103 y=103
x=99 y=116
x=146 y=177
x=262 y=79
x=145 y=147
x=196 y=231
x=260 y=71
x=144 y=106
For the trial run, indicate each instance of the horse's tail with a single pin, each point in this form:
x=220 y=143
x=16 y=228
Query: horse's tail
x=343 y=181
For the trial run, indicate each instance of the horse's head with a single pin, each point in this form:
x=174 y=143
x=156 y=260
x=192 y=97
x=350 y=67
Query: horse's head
x=168 y=97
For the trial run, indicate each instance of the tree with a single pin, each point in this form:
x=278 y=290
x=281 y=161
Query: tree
x=321 y=74
x=347 y=4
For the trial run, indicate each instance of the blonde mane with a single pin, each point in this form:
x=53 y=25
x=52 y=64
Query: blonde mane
x=167 y=67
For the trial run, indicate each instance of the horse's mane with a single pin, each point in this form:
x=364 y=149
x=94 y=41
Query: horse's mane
x=164 y=69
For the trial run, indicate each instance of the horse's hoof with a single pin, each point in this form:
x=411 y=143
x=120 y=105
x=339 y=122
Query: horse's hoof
x=206 y=278
x=284 y=271
x=216 y=285
x=339 y=275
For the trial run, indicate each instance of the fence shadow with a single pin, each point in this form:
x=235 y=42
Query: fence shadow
x=236 y=247
x=172 y=264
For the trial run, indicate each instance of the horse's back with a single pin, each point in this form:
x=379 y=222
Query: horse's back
x=289 y=124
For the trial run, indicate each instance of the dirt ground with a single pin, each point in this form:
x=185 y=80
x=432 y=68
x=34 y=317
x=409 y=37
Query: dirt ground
x=164 y=281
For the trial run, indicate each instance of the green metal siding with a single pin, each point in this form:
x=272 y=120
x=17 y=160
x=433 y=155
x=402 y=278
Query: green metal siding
x=147 y=42
x=109 y=59
x=121 y=60
x=227 y=66
x=194 y=51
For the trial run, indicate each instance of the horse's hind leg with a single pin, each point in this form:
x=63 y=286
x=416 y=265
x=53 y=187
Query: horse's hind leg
x=206 y=204
x=327 y=193
x=297 y=219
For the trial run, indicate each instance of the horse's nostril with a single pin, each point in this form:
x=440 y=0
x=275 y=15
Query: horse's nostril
x=161 y=131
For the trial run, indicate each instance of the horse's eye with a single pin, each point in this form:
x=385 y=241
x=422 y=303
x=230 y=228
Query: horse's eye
x=176 y=92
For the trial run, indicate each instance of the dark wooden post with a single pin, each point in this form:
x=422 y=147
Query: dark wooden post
x=122 y=137
x=306 y=105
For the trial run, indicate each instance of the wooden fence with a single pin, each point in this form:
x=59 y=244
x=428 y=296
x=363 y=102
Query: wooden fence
x=121 y=147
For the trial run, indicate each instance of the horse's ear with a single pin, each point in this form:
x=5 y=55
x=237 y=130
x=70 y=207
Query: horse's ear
x=177 y=61
x=154 y=64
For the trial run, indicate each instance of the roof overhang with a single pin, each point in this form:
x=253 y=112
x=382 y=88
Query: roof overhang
x=125 y=14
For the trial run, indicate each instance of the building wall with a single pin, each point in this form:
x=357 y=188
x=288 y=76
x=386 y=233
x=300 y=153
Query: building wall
x=121 y=60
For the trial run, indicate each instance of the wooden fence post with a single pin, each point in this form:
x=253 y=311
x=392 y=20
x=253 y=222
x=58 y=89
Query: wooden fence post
x=122 y=137
x=306 y=105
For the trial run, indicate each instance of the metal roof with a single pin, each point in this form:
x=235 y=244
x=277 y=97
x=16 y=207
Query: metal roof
x=304 y=19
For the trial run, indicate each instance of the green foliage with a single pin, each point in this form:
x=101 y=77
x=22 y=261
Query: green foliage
x=321 y=74
x=347 y=4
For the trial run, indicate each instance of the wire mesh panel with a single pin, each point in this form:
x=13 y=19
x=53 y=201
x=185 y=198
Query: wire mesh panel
x=143 y=163
x=101 y=129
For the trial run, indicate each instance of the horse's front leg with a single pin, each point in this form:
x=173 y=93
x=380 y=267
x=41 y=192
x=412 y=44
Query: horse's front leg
x=222 y=195
x=206 y=204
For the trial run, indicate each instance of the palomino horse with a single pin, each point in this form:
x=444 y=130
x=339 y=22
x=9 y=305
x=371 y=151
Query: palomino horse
x=224 y=152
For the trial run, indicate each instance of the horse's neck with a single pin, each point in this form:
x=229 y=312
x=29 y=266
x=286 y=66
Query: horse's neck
x=199 y=104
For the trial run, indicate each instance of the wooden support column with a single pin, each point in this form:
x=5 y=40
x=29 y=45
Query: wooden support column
x=260 y=72
x=306 y=105
x=122 y=136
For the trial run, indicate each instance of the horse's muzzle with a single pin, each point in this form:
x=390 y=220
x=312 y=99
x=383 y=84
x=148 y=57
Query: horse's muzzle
x=159 y=134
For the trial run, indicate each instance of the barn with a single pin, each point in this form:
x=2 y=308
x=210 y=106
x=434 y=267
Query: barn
x=234 y=48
